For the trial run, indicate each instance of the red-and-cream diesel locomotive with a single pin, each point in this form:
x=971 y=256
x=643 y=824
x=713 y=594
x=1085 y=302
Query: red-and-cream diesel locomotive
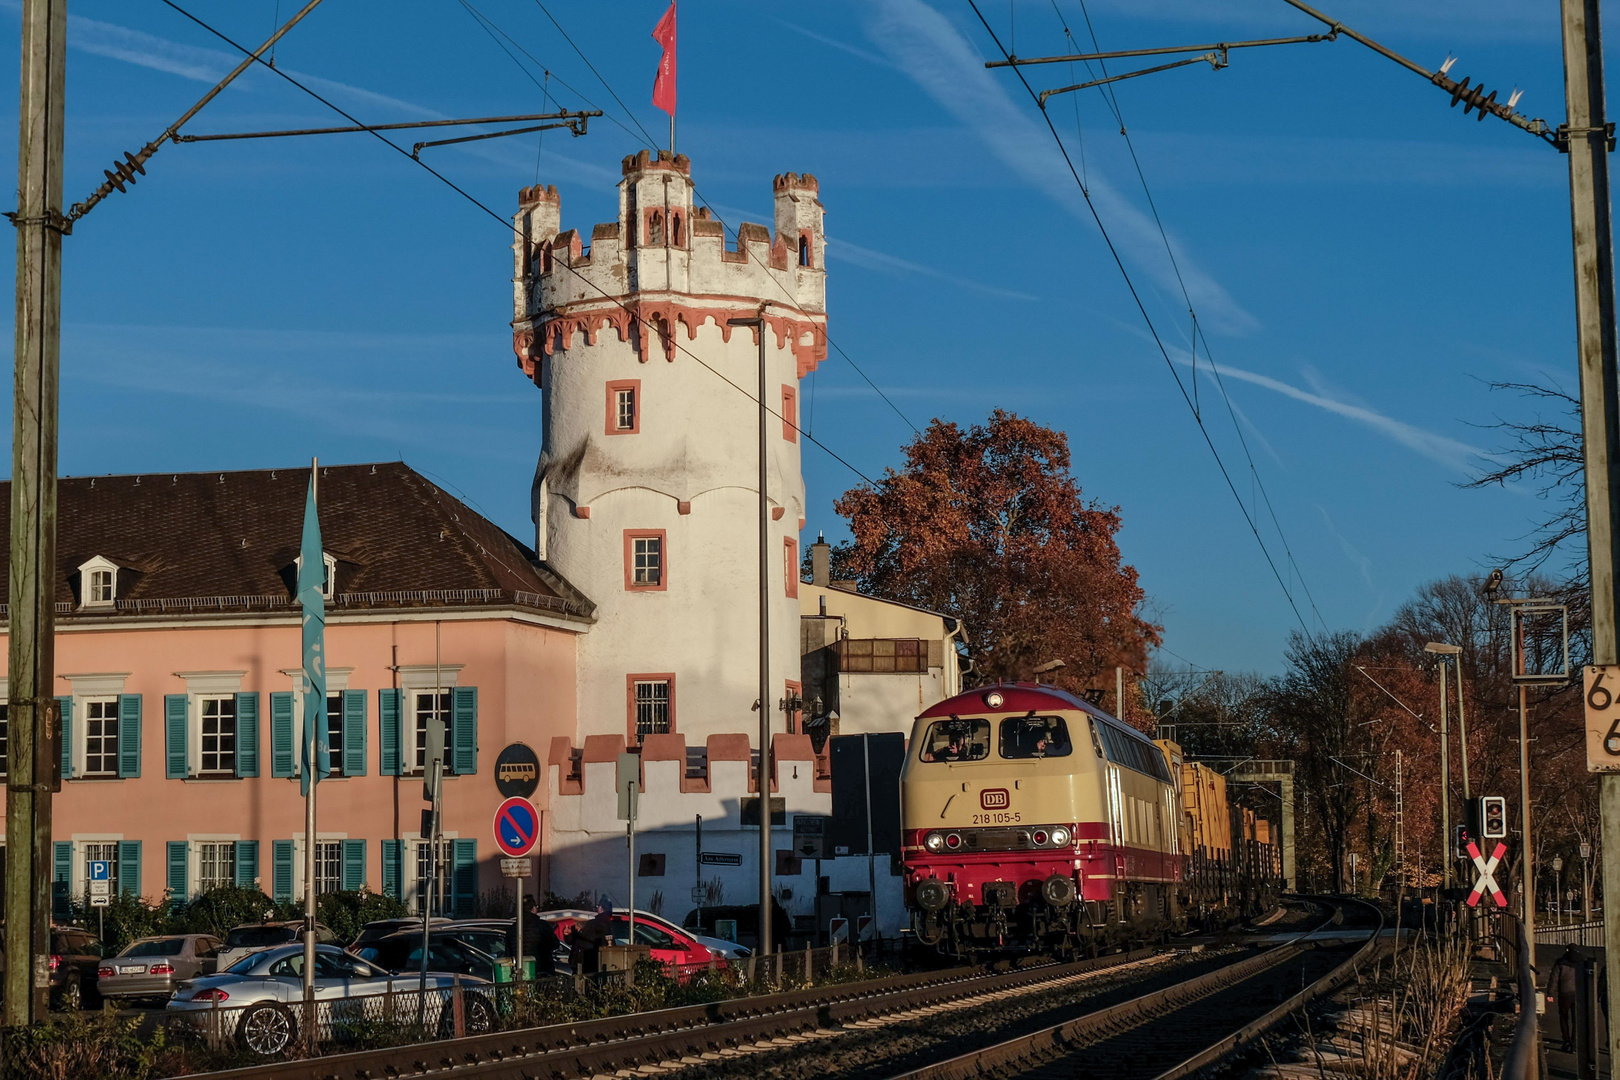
x=1032 y=820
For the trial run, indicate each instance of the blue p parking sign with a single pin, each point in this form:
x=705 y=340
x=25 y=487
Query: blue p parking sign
x=100 y=870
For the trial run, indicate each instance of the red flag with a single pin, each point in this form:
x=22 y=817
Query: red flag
x=664 y=84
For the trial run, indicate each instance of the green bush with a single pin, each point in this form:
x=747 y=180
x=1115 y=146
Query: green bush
x=217 y=910
x=346 y=912
x=100 y=1046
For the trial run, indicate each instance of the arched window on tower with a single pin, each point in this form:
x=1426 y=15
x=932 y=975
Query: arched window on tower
x=655 y=227
x=676 y=229
x=804 y=249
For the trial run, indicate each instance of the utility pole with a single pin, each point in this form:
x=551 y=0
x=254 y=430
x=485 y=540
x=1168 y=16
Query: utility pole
x=1586 y=141
x=764 y=784
x=32 y=660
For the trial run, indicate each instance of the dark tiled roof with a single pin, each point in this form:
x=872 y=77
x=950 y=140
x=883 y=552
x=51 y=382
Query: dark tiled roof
x=228 y=541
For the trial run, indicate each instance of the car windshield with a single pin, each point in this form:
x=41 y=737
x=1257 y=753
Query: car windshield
x=160 y=947
x=259 y=937
x=1034 y=737
x=956 y=740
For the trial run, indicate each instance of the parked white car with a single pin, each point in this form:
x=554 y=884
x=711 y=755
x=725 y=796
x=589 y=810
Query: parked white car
x=259 y=1000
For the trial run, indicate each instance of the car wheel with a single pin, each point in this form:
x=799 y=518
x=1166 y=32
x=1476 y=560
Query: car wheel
x=71 y=997
x=480 y=1017
x=266 y=1030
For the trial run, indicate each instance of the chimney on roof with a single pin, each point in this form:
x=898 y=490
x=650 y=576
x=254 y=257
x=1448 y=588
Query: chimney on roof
x=820 y=562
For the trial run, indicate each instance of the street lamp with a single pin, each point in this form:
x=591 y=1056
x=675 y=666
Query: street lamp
x=1586 y=882
x=1558 y=869
x=1447 y=855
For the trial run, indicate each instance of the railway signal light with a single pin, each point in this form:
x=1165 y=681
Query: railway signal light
x=1493 y=817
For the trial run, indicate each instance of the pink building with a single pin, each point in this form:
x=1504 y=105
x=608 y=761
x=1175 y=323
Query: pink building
x=178 y=655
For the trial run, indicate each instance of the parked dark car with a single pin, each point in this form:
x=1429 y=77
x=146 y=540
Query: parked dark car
x=381 y=928
x=497 y=937
x=401 y=954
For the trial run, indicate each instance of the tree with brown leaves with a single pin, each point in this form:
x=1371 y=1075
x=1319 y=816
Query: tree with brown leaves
x=988 y=524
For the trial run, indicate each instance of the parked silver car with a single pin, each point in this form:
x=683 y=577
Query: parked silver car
x=154 y=966
x=259 y=999
x=251 y=937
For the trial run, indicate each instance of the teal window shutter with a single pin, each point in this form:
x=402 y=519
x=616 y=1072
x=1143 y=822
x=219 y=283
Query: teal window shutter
x=247 y=862
x=175 y=709
x=388 y=732
x=247 y=734
x=281 y=873
x=354 y=733
x=179 y=890
x=391 y=851
x=464 y=736
x=464 y=879
x=129 y=736
x=129 y=866
x=61 y=901
x=281 y=734
x=67 y=736
x=354 y=865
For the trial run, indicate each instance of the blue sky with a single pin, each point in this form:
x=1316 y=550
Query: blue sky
x=1363 y=259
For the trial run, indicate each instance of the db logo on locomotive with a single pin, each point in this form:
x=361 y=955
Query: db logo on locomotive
x=995 y=799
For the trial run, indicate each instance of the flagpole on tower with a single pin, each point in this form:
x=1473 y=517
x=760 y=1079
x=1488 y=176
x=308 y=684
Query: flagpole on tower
x=663 y=96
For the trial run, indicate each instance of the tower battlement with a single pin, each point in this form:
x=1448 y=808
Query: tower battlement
x=665 y=264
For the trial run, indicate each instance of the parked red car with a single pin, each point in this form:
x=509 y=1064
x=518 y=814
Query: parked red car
x=670 y=945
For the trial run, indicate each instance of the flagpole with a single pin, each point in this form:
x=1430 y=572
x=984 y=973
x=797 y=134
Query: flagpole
x=309 y=824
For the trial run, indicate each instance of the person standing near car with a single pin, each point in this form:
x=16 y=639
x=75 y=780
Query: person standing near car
x=542 y=937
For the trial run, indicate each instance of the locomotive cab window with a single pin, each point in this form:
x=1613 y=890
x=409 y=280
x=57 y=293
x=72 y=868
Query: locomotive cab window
x=956 y=740
x=1034 y=737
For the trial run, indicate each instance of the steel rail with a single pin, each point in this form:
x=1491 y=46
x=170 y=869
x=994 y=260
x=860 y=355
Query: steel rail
x=572 y=1051
x=1074 y=1036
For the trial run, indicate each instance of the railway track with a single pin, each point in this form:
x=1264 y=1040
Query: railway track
x=689 y=1034
x=1173 y=1032
x=1168 y=1033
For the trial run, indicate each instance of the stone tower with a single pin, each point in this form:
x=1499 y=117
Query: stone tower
x=646 y=492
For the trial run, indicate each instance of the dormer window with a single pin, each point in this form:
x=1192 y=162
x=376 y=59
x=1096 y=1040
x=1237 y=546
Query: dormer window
x=329 y=584
x=98 y=583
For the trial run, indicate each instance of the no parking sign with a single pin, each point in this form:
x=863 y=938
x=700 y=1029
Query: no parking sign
x=517 y=827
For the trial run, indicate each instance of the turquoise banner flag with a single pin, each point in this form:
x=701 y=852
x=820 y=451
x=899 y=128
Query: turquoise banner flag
x=311 y=595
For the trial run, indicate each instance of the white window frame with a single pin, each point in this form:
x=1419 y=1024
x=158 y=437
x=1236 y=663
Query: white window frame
x=299 y=859
x=199 y=685
x=422 y=679
x=86 y=688
x=337 y=681
x=194 y=842
x=329 y=586
x=410 y=878
x=81 y=736
x=76 y=880
x=97 y=564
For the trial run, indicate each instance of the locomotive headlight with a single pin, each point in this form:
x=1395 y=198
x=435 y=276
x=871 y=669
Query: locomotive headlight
x=993 y=700
x=1060 y=836
x=934 y=842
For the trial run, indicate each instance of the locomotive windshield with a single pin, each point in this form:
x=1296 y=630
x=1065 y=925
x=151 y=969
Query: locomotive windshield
x=956 y=740
x=1034 y=737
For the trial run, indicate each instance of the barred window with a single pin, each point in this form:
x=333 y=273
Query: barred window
x=216 y=864
x=328 y=867
x=106 y=852
x=334 y=732
x=652 y=707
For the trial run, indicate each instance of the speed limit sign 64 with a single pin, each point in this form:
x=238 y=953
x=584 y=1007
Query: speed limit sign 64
x=1603 y=718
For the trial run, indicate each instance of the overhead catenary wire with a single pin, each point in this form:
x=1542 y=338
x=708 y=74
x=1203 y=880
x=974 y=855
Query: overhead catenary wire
x=506 y=226
x=1198 y=334
x=1153 y=330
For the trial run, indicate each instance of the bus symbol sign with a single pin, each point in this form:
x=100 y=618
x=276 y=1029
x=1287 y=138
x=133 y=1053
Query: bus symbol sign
x=995 y=799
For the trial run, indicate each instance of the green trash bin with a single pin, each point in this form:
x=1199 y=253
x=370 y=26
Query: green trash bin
x=503 y=970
